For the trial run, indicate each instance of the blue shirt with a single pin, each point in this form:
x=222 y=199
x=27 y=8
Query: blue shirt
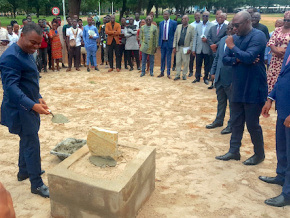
x=20 y=80
x=90 y=44
x=249 y=79
x=281 y=90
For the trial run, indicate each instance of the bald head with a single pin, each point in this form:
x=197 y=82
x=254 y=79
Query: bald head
x=242 y=23
x=279 y=23
x=256 y=17
x=185 y=20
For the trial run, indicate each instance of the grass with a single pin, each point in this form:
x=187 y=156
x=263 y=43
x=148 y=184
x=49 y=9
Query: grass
x=269 y=19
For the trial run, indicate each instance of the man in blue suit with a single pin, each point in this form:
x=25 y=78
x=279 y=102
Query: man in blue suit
x=22 y=103
x=166 y=37
x=281 y=95
x=222 y=76
x=245 y=53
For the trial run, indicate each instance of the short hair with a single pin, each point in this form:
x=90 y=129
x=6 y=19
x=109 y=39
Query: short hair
x=28 y=16
x=24 y=20
x=80 y=20
x=67 y=17
x=254 y=9
x=9 y=26
x=40 y=20
x=166 y=11
x=30 y=27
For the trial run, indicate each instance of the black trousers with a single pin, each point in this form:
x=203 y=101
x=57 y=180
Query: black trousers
x=246 y=113
x=74 y=53
x=123 y=52
x=223 y=97
x=49 y=55
x=102 y=54
x=43 y=56
x=111 y=48
x=191 y=62
x=136 y=55
x=207 y=59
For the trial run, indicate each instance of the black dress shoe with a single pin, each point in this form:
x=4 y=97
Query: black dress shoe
x=196 y=81
x=271 y=180
x=97 y=69
x=206 y=81
x=161 y=75
x=226 y=130
x=88 y=69
x=213 y=125
x=278 y=201
x=254 y=160
x=168 y=76
x=43 y=191
x=211 y=86
x=229 y=156
x=173 y=68
x=176 y=78
x=23 y=177
x=190 y=74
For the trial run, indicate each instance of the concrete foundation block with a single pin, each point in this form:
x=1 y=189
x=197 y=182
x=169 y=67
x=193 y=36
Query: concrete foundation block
x=74 y=195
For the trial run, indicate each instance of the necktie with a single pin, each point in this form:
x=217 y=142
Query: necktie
x=288 y=60
x=218 y=30
x=164 y=32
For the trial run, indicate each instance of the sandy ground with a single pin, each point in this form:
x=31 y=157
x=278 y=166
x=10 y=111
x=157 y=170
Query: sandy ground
x=155 y=112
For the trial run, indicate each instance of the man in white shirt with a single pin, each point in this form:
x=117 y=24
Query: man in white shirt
x=75 y=35
x=3 y=36
x=137 y=20
x=13 y=38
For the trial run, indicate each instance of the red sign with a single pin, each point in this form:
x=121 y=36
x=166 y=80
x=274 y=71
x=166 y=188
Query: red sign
x=55 y=11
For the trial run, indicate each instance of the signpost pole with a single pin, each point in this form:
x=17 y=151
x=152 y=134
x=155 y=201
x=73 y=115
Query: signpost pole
x=63 y=8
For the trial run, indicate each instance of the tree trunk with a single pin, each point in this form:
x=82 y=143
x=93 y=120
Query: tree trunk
x=14 y=12
x=74 y=7
x=149 y=6
x=157 y=12
x=124 y=8
x=138 y=9
x=37 y=11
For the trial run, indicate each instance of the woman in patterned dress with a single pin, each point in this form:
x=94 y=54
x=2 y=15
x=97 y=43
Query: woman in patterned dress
x=56 y=48
x=278 y=44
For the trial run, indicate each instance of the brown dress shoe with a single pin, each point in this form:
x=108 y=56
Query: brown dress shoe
x=78 y=69
x=110 y=70
x=118 y=70
x=68 y=69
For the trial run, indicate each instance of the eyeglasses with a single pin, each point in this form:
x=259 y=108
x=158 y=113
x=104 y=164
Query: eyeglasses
x=237 y=25
x=204 y=15
x=287 y=20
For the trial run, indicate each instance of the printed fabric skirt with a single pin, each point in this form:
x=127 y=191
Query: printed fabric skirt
x=56 y=50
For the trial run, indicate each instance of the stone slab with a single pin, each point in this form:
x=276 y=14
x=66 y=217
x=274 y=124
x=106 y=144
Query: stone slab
x=72 y=195
x=102 y=142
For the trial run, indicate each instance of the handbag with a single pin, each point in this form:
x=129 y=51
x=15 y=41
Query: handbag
x=72 y=42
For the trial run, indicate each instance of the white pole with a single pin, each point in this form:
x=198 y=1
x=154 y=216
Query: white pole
x=112 y=7
x=63 y=8
x=100 y=9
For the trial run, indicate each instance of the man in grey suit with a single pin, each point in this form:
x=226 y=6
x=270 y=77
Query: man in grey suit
x=183 y=40
x=215 y=34
x=202 y=49
x=222 y=75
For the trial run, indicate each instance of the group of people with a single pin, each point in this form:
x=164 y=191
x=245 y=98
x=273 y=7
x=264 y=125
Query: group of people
x=234 y=56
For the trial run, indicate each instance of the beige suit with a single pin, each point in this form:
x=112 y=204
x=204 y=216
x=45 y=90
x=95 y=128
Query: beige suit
x=182 y=58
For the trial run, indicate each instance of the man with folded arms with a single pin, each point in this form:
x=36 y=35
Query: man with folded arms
x=245 y=53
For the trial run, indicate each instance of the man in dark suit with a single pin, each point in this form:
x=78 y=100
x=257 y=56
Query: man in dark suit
x=222 y=75
x=281 y=95
x=256 y=17
x=22 y=104
x=201 y=48
x=245 y=53
x=167 y=29
x=215 y=34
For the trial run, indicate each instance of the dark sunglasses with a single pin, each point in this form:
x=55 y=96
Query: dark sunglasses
x=205 y=15
x=237 y=25
x=287 y=20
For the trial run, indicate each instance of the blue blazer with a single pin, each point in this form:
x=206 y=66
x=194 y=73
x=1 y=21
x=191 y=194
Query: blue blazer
x=222 y=73
x=20 y=79
x=171 y=31
x=249 y=79
x=281 y=90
